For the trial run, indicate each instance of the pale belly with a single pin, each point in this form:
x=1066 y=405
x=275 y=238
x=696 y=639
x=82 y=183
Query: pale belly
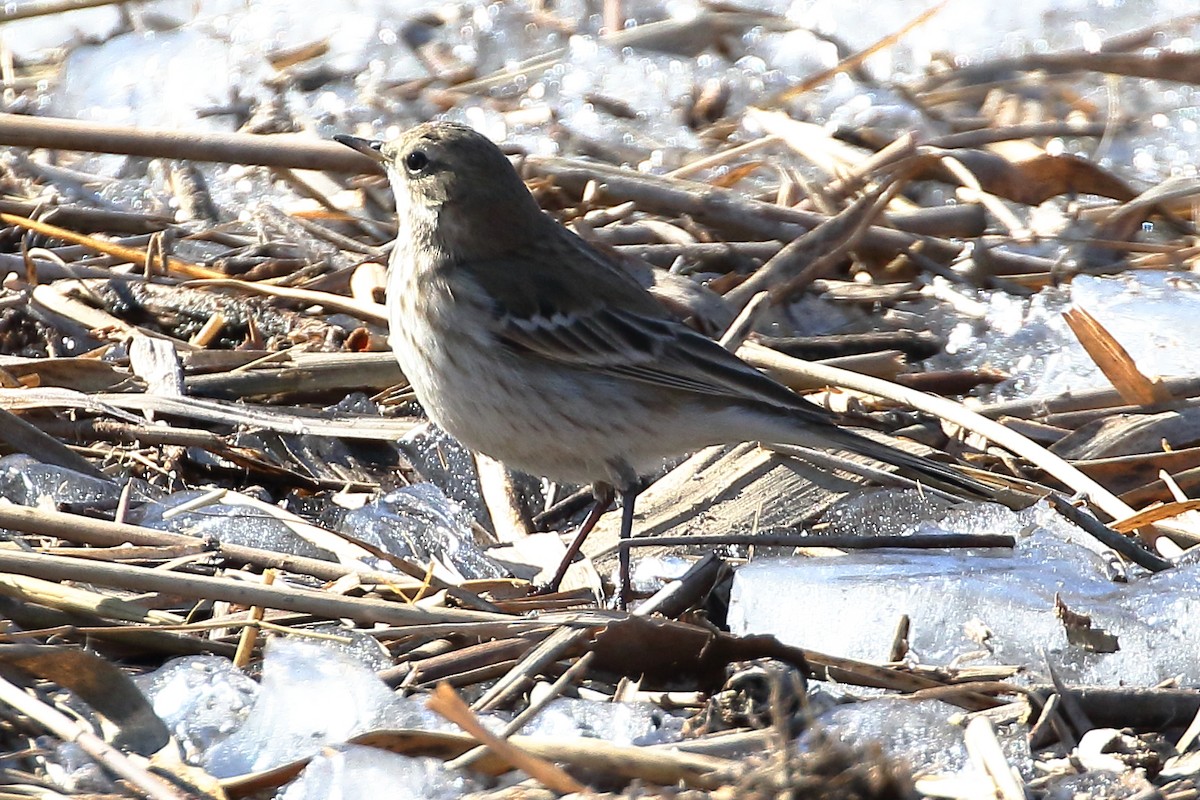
x=546 y=418
x=541 y=418
x=524 y=421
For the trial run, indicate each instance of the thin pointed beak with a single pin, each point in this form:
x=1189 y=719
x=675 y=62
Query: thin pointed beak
x=368 y=147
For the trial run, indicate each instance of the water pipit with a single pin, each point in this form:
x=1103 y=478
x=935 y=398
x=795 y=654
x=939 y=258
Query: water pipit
x=530 y=345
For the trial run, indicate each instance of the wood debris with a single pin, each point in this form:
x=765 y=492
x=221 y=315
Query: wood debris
x=244 y=357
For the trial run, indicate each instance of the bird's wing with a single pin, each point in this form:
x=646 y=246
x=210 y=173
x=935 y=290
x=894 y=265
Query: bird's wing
x=585 y=312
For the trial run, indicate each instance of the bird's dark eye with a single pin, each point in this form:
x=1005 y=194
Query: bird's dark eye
x=416 y=161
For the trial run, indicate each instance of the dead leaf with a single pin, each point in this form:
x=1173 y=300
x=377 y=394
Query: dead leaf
x=103 y=686
x=1114 y=361
x=1029 y=179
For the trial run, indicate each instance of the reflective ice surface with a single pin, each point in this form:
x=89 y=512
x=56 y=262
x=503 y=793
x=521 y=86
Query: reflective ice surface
x=353 y=771
x=28 y=482
x=921 y=733
x=311 y=696
x=232 y=524
x=419 y=522
x=202 y=699
x=204 y=66
x=980 y=606
x=619 y=723
x=1152 y=314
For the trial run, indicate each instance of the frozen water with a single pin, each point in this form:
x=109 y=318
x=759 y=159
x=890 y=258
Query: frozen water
x=439 y=458
x=1150 y=313
x=651 y=573
x=645 y=82
x=70 y=767
x=1024 y=338
x=202 y=699
x=980 y=606
x=354 y=643
x=1097 y=783
x=121 y=81
x=889 y=512
x=351 y=29
x=28 y=482
x=921 y=733
x=30 y=39
x=419 y=522
x=231 y=524
x=619 y=723
x=311 y=696
x=976 y=30
x=1166 y=148
x=182 y=58
x=355 y=771
x=164 y=77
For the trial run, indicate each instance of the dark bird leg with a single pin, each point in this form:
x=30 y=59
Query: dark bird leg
x=628 y=499
x=603 y=494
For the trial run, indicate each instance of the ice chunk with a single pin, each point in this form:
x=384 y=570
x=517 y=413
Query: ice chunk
x=881 y=513
x=971 y=30
x=72 y=768
x=1152 y=314
x=619 y=723
x=27 y=39
x=439 y=458
x=651 y=573
x=353 y=31
x=28 y=482
x=354 y=771
x=1149 y=313
x=1025 y=338
x=420 y=522
x=151 y=79
x=202 y=699
x=1130 y=784
x=995 y=606
x=311 y=696
x=920 y=732
x=646 y=82
x=357 y=644
x=232 y=524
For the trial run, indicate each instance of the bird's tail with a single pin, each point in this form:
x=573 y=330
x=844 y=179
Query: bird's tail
x=915 y=467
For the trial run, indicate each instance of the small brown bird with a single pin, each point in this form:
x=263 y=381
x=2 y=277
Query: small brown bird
x=529 y=345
